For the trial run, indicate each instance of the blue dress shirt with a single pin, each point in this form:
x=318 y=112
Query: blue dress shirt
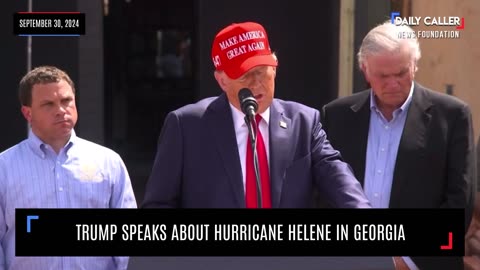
x=82 y=175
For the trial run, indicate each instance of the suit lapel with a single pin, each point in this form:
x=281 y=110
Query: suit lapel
x=219 y=120
x=358 y=143
x=280 y=129
x=413 y=140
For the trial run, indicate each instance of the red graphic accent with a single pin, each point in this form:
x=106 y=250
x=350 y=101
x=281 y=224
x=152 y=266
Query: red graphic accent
x=462 y=24
x=450 y=244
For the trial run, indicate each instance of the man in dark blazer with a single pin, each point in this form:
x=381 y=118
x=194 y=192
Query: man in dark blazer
x=200 y=160
x=410 y=147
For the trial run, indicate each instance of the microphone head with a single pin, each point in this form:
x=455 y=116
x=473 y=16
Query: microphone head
x=247 y=101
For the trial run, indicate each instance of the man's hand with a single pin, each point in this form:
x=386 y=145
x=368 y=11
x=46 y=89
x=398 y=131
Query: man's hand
x=472 y=240
x=400 y=264
x=471 y=263
x=472 y=243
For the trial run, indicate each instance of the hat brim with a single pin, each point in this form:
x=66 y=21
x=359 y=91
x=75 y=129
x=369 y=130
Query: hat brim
x=251 y=62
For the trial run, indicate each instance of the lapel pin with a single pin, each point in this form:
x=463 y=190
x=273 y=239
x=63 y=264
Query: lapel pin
x=283 y=124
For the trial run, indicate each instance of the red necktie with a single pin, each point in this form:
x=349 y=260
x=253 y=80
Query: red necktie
x=251 y=182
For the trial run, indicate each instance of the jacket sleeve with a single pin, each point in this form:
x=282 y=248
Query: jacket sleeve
x=163 y=186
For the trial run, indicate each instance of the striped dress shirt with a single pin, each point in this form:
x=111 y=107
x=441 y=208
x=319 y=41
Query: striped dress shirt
x=82 y=175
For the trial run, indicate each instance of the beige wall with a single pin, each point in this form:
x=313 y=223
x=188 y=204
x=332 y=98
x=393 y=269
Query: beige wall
x=452 y=61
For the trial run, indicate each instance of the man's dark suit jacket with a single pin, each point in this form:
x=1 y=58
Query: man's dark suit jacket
x=435 y=164
x=197 y=164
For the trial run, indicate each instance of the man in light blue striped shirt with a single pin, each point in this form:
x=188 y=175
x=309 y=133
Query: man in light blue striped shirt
x=53 y=168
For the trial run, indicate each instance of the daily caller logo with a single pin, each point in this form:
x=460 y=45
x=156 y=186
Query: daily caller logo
x=444 y=22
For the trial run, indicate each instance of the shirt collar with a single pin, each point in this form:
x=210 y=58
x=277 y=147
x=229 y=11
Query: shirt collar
x=38 y=146
x=238 y=117
x=373 y=103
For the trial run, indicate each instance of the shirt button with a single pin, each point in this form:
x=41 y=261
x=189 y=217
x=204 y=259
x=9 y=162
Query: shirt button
x=387 y=127
x=375 y=194
x=60 y=189
x=383 y=149
x=379 y=171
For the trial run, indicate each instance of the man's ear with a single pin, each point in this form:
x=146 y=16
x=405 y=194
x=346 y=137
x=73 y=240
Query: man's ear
x=27 y=113
x=221 y=80
x=363 y=68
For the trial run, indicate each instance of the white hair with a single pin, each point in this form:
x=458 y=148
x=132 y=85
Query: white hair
x=388 y=37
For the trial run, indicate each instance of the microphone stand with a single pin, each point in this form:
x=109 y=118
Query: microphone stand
x=252 y=132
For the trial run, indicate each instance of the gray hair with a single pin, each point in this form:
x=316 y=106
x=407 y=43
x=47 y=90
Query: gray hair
x=388 y=37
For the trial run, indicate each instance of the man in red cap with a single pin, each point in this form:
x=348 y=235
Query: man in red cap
x=205 y=158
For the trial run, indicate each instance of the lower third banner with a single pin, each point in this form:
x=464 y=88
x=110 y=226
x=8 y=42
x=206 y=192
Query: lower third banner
x=239 y=232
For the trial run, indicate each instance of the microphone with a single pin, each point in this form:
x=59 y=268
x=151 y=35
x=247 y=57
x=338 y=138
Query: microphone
x=249 y=107
x=248 y=103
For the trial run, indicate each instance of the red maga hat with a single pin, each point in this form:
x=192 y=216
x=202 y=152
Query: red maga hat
x=241 y=46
